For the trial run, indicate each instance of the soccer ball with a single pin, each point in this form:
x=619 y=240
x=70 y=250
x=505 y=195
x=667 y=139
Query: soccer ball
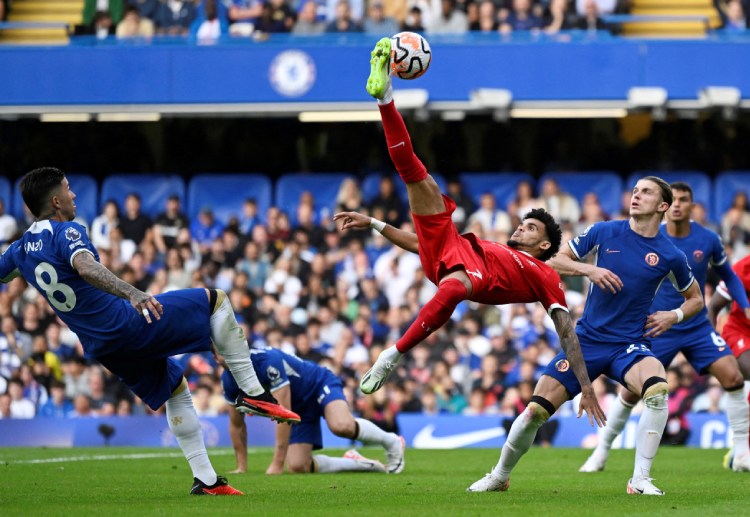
x=410 y=55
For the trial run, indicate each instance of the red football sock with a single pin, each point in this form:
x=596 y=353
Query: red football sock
x=434 y=314
x=407 y=164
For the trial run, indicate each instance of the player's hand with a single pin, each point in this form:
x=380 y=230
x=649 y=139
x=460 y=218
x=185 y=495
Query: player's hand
x=605 y=279
x=590 y=404
x=274 y=469
x=353 y=220
x=147 y=305
x=659 y=322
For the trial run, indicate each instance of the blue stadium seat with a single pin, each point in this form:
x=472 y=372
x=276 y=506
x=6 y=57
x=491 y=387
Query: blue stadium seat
x=226 y=193
x=371 y=186
x=606 y=185
x=6 y=195
x=727 y=184
x=85 y=189
x=501 y=184
x=154 y=190
x=700 y=182
x=323 y=186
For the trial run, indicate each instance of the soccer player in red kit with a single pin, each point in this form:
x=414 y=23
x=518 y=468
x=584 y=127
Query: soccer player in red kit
x=464 y=267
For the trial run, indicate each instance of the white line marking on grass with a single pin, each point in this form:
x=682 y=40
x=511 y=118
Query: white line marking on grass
x=108 y=457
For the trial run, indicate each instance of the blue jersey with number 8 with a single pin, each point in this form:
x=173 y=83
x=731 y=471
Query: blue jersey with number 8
x=44 y=257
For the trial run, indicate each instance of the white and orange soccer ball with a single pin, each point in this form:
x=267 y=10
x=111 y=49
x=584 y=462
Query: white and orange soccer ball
x=410 y=55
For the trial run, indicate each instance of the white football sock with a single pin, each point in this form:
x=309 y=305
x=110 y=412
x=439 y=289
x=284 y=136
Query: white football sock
x=231 y=343
x=648 y=436
x=370 y=434
x=184 y=424
x=327 y=464
x=739 y=418
x=617 y=417
x=520 y=438
x=388 y=94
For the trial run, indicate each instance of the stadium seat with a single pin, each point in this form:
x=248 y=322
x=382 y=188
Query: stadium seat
x=323 y=186
x=607 y=185
x=371 y=186
x=6 y=195
x=154 y=190
x=85 y=189
x=501 y=184
x=226 y=193
x=727 y=184
x=700 y=182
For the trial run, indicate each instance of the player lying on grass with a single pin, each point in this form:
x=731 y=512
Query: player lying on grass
x=313 y=392
x=132 y=333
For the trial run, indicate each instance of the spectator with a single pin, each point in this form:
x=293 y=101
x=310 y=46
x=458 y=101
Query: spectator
x=210 y=23
x=308 y=21
x=735 y=225
x=450 y=20
x=202 y=401
x=387 y=206
x=250 y=216
x=356 y=9
x=734 y=17
x=276 y=16
x=592 y=212
x=20 y=406
x=559 y=16
x=590 y=19
x=10 y=354
x=102 y=26
x=486 y=17
x=243 y=15
x=57 y=406
x=135 y=226
x=561 y=205
x=146 y=8
x=5 y=405
x=76 y=377
x=413 y=21
x=494 y=223
x=91 y=8
x=349 y=196
x=205 y=229
x=600 y=7
x=174 y=17
x=376 y=22
x=8 y=227
x=133 y=25
x=169 y=224
x=103 y=225
x=677 y=430
x=343 y=21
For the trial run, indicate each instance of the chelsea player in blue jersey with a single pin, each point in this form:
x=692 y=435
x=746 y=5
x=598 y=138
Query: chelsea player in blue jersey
x=702 y=346
x=632 y=260
x=132 y=333
x=314 y=392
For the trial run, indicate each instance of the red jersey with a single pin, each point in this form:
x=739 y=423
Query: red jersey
x=737 y=323
x=498 y=273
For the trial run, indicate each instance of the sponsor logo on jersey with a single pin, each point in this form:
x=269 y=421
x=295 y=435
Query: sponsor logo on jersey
x=33 y=246
x=72 y=234
x=652 y=259
x=76 y=243
x=698 y=255
x=562 y=365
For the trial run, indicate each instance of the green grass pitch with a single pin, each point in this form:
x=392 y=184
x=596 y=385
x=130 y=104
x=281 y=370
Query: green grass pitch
x=130 y=481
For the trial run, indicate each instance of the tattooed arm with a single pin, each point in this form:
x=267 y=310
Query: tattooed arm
x=572 y=348
x=102 y=278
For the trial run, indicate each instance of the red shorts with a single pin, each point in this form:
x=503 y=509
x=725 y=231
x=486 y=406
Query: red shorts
x=442 y=250
x=739 y=342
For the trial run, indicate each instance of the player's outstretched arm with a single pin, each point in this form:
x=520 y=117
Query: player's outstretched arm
x=572 y=348
x=566 y=264
x=356 y=221
x=284 y=396
x=102 y=278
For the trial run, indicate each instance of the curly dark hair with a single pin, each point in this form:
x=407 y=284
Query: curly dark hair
x=551 y=228
x=37 y=185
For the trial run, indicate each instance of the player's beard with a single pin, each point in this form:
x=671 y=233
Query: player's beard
x=513 y=244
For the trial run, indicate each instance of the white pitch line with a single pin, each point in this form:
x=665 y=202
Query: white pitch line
x=108 y=457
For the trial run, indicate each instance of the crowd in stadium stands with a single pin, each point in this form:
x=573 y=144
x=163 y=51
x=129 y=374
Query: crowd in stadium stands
x=333 y=298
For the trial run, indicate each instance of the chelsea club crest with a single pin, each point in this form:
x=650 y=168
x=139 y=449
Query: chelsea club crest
x=292 y=73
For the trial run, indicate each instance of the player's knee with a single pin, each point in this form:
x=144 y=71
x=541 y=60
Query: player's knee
x=299 y=467
x=655 y=393
x=344 y=428
x=733 y=382
x=540 y=409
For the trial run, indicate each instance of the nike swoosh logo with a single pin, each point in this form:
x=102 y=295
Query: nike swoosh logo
x=424 y=439
x=397 y=145
x=613 y=251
